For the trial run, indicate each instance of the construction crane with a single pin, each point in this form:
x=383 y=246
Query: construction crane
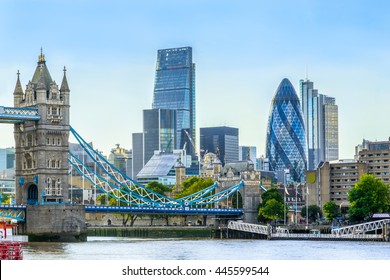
x=189 y=137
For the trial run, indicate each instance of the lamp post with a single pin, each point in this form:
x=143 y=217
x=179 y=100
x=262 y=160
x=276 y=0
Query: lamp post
x=284 y=208
x=296 y=204
x=307 y=205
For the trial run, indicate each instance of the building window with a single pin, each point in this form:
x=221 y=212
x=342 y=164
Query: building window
x=29 y=140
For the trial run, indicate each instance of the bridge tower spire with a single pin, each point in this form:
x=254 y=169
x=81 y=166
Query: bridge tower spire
x=18 y=92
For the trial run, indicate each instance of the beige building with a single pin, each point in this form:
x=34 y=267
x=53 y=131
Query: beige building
x=376 y=154
x=333 y=180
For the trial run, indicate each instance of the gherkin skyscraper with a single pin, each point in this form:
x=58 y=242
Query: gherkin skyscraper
x=286 y=138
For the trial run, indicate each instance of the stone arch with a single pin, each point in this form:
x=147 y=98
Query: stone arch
x=32 y=194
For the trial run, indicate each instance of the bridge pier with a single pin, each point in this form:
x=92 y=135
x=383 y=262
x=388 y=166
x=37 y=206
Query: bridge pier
x=56 y=222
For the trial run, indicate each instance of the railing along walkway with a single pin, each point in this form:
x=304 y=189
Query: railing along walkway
x=254 y=228
x=361 y=228
x=327 y=236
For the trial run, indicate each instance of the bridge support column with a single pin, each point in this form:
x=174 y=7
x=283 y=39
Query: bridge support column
x=60 y=223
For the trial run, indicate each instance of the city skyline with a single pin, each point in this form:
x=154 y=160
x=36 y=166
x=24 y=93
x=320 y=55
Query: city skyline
x=242 y=52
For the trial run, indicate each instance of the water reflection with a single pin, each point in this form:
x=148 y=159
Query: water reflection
x=115 y=248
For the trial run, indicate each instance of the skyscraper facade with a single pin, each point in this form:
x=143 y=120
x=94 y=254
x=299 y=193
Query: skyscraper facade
x=286 y=139
x=159 y=131
x=7 y=158
x=320 y=114
x=247 y=153
x=174 y=88
x=222 y=141
x=159 y=134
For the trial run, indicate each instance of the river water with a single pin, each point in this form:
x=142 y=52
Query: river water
x=117 y=248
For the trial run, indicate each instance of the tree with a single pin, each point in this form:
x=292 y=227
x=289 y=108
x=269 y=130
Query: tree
x=112 y=201
x=270 y=205
x=193 y=185
x=368 y=196
x=159 y=188
x=5 y=198
x=314 y=212
x=272 y=210
x=331 y=210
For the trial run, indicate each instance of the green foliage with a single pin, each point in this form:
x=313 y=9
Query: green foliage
x=272 y=193
x=314 y=212
x=272 y=206
x=158 y=187
x=368 y=196
x=272 y=210
x=193 y=185
x=113 y=202
x=5 y=198
x=331 y=210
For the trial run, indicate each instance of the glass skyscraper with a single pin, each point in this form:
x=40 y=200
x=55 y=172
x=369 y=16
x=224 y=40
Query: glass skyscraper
x=174 y=88
x=320 y=114
x=286 y=138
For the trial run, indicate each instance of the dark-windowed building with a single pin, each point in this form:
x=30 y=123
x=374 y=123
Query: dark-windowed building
x=159 y=134
x=222 y=141
x=159 y=131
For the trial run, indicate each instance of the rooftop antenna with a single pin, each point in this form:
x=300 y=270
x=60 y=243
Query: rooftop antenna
x=306 y=74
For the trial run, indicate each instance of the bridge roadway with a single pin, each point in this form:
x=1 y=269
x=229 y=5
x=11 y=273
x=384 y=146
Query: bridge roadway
x=18 y=212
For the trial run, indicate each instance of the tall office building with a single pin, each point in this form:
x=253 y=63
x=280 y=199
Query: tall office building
x=174 y=88
x=7 y=158
x=222 y=141
x=247 y=153
x=286 y=139
x=138 y=154
x=320 y=114
x=159 y=134
x=159 y=131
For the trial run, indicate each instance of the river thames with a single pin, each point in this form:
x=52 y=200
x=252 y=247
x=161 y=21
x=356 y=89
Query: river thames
x=118 y=248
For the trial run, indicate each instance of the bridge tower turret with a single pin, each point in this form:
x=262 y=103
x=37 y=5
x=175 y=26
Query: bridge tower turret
x=18 y=92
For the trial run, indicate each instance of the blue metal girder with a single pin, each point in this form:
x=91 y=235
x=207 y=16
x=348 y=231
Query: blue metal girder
x=119 y=177
x=13 y=212
x=165 y=210
x=18 y=115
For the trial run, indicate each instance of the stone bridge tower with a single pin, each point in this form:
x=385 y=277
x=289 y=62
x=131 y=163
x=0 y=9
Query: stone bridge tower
x=41 y=160
x=41 y=147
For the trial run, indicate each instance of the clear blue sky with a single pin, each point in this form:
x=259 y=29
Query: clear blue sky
x=242 y=49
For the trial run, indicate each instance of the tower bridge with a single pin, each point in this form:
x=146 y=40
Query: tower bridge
x=40 y=117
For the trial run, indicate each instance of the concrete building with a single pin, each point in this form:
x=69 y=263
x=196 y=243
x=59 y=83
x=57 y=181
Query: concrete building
x=376 y=154
x=332 y=181
x=138 y=154
x=119 y=157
